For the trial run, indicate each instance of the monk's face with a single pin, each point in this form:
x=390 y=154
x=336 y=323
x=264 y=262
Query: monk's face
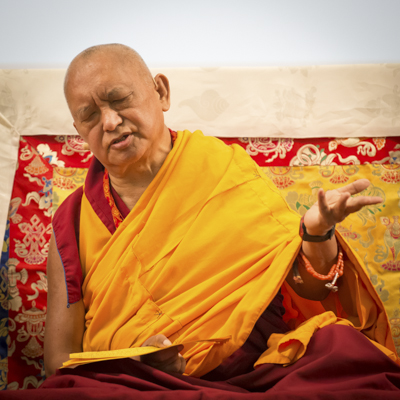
x=116 y=110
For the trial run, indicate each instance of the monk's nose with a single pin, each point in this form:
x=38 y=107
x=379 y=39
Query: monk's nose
x=111 y=119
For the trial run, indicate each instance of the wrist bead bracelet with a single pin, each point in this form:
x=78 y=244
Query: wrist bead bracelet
x=335 y=272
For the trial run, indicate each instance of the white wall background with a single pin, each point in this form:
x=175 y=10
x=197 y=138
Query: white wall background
x=49 y=33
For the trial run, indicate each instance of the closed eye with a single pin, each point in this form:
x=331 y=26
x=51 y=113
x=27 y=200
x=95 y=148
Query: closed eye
x=119 y=100
x=123 y=99
x=89 y=117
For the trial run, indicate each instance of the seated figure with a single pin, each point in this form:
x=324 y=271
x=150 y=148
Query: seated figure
x=179 y=241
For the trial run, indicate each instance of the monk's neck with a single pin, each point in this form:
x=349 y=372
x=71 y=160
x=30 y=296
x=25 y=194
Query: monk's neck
x=133 y=182
x=131 y=187
x=131 y=179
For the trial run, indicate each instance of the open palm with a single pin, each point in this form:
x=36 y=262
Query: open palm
x=333 y=206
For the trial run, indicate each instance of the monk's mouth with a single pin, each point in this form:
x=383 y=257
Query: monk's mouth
x=120 y=139
x=121 y=142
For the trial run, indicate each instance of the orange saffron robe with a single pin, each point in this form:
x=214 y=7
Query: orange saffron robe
x=201 y=255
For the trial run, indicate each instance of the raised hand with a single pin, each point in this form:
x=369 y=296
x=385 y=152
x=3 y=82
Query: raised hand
x=333 y=206
x=168 y=360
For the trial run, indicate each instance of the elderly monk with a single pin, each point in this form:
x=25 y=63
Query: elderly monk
x=176 y=238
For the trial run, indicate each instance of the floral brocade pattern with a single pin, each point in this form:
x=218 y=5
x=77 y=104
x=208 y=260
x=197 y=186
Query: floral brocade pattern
x=44 y=163
x=52 y=167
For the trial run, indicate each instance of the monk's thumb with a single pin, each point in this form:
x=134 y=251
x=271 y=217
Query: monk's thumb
x=161 y=341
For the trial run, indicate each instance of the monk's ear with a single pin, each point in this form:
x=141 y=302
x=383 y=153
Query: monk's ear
x=162 y=88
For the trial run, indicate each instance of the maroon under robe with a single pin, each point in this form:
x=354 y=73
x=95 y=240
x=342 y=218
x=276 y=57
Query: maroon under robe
x=340 y=363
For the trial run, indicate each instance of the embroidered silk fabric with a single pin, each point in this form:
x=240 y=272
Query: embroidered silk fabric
x=165 y=269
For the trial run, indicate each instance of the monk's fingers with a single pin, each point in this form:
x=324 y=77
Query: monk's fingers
x=322 y=202
x=346 y=205
x=183 y=364
x=374 y=200
x=174 y=363
x=327 y=200
x=163 y=356
x=178 y=365
x=157 y=361
x=334 y=206
x=355 y=187
x=341 y=204
x=332 y=213
x=159 y=340
x=355 y=204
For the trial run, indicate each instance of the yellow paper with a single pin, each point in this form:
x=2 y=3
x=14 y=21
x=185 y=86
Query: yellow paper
x=95 y=356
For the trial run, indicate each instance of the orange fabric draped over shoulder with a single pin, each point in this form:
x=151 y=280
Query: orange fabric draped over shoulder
x=200 y=256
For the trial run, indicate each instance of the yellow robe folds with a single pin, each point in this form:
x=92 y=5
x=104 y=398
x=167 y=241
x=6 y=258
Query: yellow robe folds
x=201 y=255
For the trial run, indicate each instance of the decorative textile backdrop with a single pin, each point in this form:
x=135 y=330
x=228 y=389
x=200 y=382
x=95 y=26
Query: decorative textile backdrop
x=51 y=167
x=263 y=108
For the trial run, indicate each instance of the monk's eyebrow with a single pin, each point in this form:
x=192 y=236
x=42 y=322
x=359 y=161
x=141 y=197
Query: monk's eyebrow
x=113 y=92
x=116 y=92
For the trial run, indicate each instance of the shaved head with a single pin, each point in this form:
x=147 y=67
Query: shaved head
x=116 y=52
x=117 y=107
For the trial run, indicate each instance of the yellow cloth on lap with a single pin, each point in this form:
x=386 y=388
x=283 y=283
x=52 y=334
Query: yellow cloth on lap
x=288 y=348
